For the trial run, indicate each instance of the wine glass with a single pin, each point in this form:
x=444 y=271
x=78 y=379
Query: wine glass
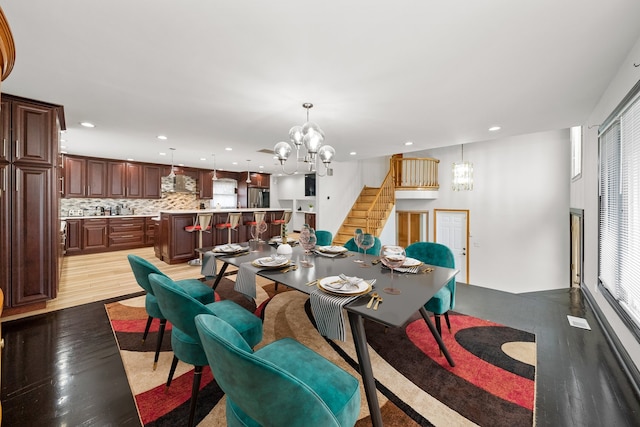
x=392 y=256
x=308 y=244
x=262 y=227
x=366 y=242
x=253 y=244
x=357 y=236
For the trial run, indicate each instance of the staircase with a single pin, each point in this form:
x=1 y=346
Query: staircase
x=369 y=212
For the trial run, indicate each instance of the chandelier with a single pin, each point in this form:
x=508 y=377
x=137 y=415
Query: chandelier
x=312 y=137
x=462 y=175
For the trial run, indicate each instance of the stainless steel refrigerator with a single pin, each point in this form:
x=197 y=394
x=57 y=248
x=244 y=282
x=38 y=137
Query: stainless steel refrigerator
x=258 y=198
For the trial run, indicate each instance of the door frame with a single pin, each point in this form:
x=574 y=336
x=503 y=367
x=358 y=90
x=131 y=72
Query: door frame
x=435 y=236
x=579 y=214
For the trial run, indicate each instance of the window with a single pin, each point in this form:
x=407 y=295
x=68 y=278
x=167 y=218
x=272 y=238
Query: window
x=619 y=216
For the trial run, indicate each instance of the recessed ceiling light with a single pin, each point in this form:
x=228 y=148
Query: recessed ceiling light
x=261 y=167
x=408 y=143
x=163 y=154
x=129 y=160
x=353 y=153
x=228 y=149
x=202 y=158
x=494 y=128
x=63 y=146
x=87 y=124
x=234 y=163
x=162 y=137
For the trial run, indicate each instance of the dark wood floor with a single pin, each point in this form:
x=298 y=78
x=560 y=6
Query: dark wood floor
x=63 y=368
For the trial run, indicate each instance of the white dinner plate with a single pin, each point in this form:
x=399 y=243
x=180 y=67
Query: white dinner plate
x=332 y=249
x=411 y=262
x=270 y=262
x=359 y=288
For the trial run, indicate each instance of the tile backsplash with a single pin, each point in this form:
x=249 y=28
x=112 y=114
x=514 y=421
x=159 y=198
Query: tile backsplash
x=169 y=201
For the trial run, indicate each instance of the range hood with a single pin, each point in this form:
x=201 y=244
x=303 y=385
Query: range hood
x=177 y=184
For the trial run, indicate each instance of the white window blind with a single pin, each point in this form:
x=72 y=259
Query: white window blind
x=620 y=210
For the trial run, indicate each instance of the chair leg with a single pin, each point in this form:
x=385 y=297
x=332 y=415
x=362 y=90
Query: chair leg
x=146 y=328
x=438 y=327
x=197 y=375
x=163 y=324
x=446 y=318
x=174 y=363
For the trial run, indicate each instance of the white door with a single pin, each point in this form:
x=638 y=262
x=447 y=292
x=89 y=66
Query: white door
x=452 y=230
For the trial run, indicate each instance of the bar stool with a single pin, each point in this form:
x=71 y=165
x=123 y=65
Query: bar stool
x=286 y=217
x=258 y=217
x=233 y=219
x=201 y=224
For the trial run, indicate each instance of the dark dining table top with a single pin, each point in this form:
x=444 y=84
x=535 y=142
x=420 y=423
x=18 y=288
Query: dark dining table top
x=394 y=310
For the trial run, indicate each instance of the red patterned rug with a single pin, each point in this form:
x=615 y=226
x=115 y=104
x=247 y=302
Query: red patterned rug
x=493 y=383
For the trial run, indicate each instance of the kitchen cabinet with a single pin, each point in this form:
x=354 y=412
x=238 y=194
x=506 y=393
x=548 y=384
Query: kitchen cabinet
x=310 y=219
x=149 y=231
x=125 y=233
x=104 y=178
x=152 y=177
x=94 y=235
x=73 y=244
x=29 y=224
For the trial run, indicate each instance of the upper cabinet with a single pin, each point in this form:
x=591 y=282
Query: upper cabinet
x=100 y=178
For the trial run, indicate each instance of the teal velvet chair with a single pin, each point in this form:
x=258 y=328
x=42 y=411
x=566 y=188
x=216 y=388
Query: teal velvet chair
x=323 y=238
x=374 y=250
x=141 y=269
x=181 y=309
x=441 y=256
x=281 y=384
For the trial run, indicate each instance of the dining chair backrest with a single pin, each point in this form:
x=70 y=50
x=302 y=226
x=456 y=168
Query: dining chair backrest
x=435 y=254
x=176 y=305
x=323 y=238
x=264 y=391
x=374 y=250
x=141 y=270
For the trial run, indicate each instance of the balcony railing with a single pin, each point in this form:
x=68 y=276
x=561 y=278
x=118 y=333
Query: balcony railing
x=415 y=173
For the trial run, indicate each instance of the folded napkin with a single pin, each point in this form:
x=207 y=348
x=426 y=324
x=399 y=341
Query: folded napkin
x=327 y=254
x=231 y=247
x=246 y=279
x=328 y=313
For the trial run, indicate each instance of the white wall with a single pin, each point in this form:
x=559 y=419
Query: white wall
x=518 y=209
x=584 y=192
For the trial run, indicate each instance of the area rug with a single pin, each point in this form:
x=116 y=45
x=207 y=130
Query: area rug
x=492 y=384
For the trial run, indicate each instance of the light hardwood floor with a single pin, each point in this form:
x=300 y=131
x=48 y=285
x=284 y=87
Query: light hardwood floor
x=95 y=277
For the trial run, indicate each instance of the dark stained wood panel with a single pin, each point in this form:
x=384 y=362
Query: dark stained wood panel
x=32 y=124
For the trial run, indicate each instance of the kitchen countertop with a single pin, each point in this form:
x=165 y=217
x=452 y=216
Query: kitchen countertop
x=222 y=210
x=109 y=216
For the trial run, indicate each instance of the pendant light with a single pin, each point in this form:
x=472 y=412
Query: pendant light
x=248 y=181
x=172 y=174
x=462 y=174
x=215 y=176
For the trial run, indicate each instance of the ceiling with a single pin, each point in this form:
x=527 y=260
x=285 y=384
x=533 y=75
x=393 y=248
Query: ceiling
x=216 y=74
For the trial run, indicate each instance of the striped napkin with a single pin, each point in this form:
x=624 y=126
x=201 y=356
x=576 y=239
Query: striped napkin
x=246 y=279
x=328 y=314
x=415 y=269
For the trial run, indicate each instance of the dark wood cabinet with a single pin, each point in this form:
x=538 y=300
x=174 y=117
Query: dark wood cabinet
x=205 y=185
x=135 y=181
x=125 y=233
x=29 y=192
x=97 y=178
x=75 y=177
x=117 y=179
x=152 y=188
x=74 y=237
x=310 y=218
x=94 y=234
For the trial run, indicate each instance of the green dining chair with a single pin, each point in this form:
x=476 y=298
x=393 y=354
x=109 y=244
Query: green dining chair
x=141 y=269
x=374 y=250
x=181 y=309
x=282 y=384
x=323 y=238
x=441 y=256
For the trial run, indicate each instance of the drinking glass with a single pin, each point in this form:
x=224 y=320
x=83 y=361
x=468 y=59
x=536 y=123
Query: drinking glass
x=357 y=236
x=262 y=227
x=366 y=242
x=308 y=244
x=253 y=243
x=392 y=256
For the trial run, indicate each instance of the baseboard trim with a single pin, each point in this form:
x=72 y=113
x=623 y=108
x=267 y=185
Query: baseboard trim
x=618 y=349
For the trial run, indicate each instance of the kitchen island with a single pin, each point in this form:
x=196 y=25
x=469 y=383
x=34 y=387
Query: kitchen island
x=174 y=245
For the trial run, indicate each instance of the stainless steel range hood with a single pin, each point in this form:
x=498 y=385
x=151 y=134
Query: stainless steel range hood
x=178 y=184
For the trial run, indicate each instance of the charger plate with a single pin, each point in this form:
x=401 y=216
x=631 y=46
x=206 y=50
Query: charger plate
x=363 y=287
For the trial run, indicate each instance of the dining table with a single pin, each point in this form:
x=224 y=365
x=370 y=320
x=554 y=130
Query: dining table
x=415 y=289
